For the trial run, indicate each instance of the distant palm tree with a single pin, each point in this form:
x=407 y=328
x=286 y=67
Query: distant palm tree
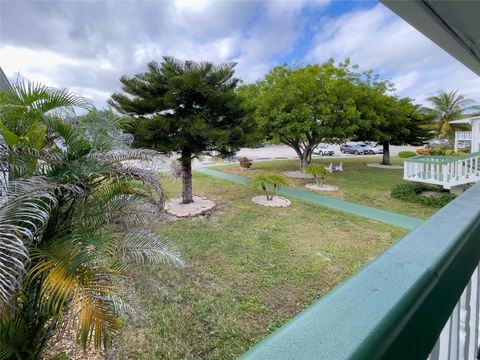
x=449 y=106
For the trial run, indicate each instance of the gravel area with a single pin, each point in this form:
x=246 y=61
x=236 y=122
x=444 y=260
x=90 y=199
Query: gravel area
x=277 y=201
x=325 y=187
x=380 y=166
x=297 y=175
x=198 y=207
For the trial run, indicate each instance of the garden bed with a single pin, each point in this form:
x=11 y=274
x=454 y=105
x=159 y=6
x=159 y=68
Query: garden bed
x=419 y=193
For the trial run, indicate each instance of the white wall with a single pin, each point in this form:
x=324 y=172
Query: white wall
x=475 y=135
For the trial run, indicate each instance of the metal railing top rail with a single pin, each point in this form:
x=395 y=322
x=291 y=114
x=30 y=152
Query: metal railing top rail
x=430 y=159
x=395 y=307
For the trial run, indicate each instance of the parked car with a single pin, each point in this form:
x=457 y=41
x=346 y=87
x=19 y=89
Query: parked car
x=372 y=149
x=436 y=143
x=323 y=150
x=353 y=149
x=464 y=145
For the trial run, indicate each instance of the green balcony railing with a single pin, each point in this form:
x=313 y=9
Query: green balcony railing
x=430 y=159
x=395 y=307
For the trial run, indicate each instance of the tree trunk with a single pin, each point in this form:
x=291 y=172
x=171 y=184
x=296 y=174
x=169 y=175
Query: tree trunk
x=305 y=159
x=386 y=153
x=186 y=161
x=303 y=163
x=304 y=156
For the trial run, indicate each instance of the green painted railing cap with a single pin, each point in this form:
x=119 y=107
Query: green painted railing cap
x=430 y=159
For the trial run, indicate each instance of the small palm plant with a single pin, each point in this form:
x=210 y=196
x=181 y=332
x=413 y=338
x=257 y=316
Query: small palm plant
x=269 y=183
x=319 y=173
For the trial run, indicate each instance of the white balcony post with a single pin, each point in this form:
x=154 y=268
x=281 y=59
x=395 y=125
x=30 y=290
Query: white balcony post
x=456 y=141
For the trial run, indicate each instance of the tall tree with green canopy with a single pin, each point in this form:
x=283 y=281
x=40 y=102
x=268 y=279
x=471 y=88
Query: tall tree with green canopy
x=389 y=120
x=302 y=107
x=186 y=107
x=449 y=106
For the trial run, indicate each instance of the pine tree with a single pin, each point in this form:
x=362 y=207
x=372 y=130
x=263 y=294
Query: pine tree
x=186 y=107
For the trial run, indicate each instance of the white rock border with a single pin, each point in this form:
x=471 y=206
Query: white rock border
x=199 y=206
x=277 y=201
x=324 y=188
x=297 y=174
x=381 y=166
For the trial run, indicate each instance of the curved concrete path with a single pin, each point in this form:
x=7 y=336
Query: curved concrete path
x=388 y=217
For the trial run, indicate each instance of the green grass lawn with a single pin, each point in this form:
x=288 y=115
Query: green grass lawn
x=358 y=183
x=249 y=270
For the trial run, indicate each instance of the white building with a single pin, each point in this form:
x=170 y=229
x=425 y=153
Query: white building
x=473 y=135
x=452 y=173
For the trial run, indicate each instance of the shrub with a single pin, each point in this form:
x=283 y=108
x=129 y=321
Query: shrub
x=245 y=162
x=412 y=192
x=437 y=151
x=452 y=153
x=422 y=151
x=319 y=173
x=406 y=154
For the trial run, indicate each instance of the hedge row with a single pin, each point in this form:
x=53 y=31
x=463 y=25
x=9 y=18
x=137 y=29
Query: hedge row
x=412 y=192
x=438 y=151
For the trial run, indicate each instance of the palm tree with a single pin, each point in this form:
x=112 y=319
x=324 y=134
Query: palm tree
x=70 y=229
x=269 y=183
x=450 y=106
x=319 y=172
x=22 y=109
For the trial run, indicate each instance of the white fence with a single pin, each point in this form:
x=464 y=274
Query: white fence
x=459 y=339
x=443 y=171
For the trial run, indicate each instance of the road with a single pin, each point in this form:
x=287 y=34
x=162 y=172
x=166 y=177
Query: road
x=270 y=152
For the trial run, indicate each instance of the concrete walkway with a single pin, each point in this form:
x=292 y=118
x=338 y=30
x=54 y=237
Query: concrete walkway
x=388 y=217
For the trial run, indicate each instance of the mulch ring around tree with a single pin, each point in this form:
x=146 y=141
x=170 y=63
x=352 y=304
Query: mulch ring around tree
x=297 y=175
x=323 y=188
x=199 y=206
x=277 y=201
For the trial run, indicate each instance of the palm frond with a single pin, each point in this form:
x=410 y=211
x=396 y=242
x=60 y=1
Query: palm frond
x=149 y=177
x=26 y=102
x=22 y=216
x=119 y=155
x=145 y=246
x=75 y=142
x=13 y=333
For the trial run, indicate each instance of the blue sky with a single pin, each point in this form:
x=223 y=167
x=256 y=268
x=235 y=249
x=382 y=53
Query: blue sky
x=87 y=45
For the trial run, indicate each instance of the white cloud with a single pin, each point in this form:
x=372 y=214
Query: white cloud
x=377 y=39
x=32 y=63
x=90 y=53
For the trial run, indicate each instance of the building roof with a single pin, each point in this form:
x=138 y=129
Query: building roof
x=465 y=121
x=4 y=83
x=452 y=25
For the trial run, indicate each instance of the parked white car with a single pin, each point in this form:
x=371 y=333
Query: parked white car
x=372 y=150
x=323 y=150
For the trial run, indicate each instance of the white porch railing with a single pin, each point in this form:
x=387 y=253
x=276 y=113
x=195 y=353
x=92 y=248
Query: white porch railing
x=463 y=135
x=442 y=170
x=459 y=339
